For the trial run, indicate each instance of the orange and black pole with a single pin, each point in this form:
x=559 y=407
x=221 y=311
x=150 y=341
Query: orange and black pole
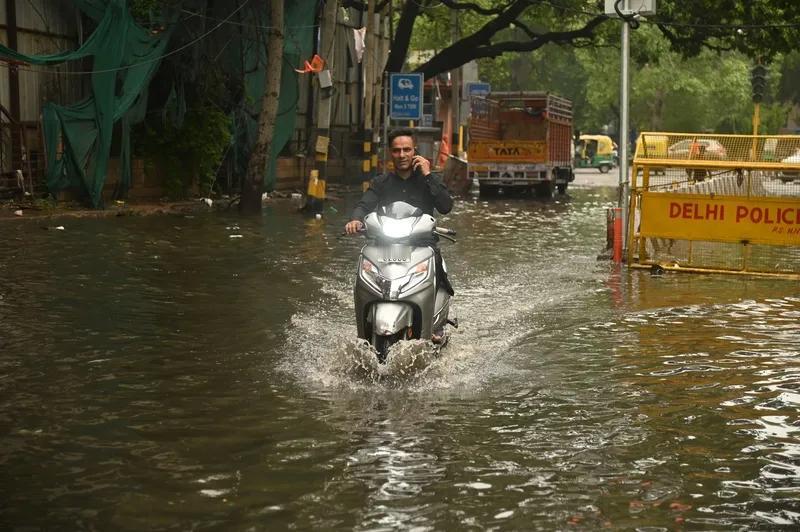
x=366 y=162
x=318 y=176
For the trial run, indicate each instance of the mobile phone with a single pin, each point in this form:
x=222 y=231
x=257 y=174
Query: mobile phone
x=415 y=167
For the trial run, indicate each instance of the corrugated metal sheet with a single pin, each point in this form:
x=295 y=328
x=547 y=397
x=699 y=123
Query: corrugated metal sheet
x=30 y=103
x=43 y=83
x=57 y=17
x=3 y=74
x=41 y=29
x=341 y=105
x=346 y=107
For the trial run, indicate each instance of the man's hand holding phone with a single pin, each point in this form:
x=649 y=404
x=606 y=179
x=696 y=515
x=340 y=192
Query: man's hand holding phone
x=421 y=165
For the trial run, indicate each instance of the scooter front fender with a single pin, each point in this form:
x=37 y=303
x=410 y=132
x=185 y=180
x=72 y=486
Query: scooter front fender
x=390 y=318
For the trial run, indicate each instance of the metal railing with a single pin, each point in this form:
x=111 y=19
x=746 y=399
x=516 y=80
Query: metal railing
x=725 y=203
x=16 y=171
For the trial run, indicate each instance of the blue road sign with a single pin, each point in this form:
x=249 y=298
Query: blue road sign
x=405 y=96
x=478 y=88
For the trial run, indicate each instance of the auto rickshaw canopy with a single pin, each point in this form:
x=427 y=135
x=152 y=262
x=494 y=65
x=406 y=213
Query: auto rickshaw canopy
x=605 y=146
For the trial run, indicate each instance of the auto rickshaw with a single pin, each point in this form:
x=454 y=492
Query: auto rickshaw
x=653 y=147
x=596 y=151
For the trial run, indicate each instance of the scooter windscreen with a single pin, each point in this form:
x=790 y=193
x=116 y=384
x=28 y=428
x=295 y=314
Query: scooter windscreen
x=399 y=220
x=399 y=210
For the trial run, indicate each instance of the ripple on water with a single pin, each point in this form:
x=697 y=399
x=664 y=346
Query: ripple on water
x=573 y=396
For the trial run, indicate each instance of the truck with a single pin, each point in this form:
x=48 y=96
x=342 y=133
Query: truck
x=520 y=142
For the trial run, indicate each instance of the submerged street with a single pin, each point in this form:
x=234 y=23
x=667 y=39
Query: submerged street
x=201 y=372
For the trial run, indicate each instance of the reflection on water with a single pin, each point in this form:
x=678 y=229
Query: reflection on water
x=203 y=372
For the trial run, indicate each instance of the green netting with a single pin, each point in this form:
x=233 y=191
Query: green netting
x=298 y=30
x=125 y=56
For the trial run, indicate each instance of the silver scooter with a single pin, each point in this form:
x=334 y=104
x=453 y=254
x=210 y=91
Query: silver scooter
x=397 y=293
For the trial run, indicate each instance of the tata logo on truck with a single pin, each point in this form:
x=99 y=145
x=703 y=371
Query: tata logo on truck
x=536 y=149
x=519 y=151
x=509 y=151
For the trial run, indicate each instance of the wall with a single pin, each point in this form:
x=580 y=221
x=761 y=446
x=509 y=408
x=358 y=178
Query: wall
x=43 y=27
x=345 y=155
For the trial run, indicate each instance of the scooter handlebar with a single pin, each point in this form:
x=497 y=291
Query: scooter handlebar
x=441 y=231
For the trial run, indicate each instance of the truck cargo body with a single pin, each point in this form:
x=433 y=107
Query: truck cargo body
x=521 y=141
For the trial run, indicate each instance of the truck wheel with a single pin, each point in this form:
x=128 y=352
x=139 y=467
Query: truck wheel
x=488 y=190
x=604 y=168
x=562 y=188
x=545 y=190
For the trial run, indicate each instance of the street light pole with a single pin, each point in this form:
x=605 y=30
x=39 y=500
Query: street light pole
x=623 y=126
x=623 y=110
x=622 y=10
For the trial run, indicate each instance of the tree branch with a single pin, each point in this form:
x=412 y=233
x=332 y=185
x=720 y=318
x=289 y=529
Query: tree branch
x=502 y=21
x=402 y=36
x=360 y=5
x=669 y=34
x=474 y=7
x=529 y=32
x=471 y=48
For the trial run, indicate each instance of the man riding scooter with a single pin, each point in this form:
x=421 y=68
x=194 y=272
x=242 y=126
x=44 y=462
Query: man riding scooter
x=411 y=182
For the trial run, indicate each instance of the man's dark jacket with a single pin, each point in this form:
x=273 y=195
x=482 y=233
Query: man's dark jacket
x=424 y=192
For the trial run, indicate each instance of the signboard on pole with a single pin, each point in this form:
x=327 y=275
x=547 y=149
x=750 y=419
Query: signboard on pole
x=405 y=96
x=631 y=7
x=478 y=88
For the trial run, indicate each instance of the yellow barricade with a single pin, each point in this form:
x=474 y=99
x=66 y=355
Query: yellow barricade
x=705 y=202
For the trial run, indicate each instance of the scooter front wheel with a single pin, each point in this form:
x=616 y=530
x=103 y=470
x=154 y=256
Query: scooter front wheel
x=383 y=343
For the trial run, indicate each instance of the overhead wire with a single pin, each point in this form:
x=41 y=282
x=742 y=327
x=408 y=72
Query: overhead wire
x=152 y=60
x=248 y=25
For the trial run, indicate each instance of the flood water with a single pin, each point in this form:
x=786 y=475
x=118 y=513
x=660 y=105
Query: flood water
x=199 y=372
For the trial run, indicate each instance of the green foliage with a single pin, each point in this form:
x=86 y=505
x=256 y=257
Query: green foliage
x=142 y=9
x=46 y=205
x=755 y=28
x=690 y=62
x=710 y=92
x=188 y=154
x=789 y=85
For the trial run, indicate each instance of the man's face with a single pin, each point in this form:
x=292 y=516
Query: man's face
x=402 y=150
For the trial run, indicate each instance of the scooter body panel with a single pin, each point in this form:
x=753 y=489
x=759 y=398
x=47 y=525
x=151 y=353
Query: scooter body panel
x=390 y=318
x=396 y=286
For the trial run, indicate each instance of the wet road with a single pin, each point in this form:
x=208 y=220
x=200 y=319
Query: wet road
x=173 y=373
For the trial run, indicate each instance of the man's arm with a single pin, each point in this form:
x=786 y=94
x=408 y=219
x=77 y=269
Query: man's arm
x=441 y=196
x=367 y=203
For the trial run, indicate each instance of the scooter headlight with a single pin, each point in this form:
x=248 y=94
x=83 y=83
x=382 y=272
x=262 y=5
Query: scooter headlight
x=417 y=275
x=370 y=274
x=397 y=228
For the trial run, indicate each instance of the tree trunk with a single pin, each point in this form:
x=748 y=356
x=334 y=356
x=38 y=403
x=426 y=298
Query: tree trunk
x=402 y=36
x=253 y=184
x=658 y=112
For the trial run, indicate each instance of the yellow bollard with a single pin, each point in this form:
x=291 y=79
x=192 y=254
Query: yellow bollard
x=315 y=192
